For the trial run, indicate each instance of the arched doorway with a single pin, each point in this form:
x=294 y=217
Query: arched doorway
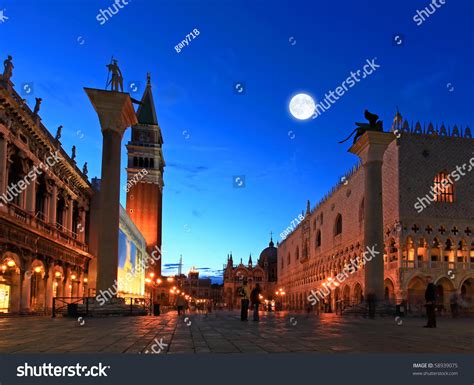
x=357 y=294
x=346 y=293
x=416 y=294
x=444 y=289
x=467 y=294
x=10 y=286
x=389 y=290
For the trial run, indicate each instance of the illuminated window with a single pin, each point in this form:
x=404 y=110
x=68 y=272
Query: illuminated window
x=443 y=188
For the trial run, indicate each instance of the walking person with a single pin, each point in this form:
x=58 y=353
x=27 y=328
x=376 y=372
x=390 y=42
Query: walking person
x=453 y=302
x=243 y=292
x=255 y=298
x=430 y=298
x=180 y=303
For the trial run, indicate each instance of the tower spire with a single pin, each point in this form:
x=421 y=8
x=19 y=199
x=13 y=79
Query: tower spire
x=146 y=113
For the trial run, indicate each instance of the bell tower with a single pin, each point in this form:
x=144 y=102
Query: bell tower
x=145 y=176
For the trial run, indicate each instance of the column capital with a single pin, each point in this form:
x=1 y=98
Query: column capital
x=115 y=109
x=372 y=145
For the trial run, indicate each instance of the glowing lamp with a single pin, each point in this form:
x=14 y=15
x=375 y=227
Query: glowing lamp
x=73 y=277
x=85 y=280
x=57 y=274
x=11 y=263
x=147 y=280
x=152 y=275
x=37 y=269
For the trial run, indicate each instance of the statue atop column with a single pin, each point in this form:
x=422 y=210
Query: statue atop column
x=8 y=69
x=117 y=79
x=374 y=125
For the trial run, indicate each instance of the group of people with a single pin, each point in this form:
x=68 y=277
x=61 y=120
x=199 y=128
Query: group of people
x=246 y=299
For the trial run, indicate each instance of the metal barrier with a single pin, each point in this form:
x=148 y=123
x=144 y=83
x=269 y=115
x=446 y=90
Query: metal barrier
x=61 y=303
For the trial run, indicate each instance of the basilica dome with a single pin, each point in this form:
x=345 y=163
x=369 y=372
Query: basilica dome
x=269 y=254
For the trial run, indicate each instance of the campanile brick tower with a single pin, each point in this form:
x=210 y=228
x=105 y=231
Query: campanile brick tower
x=145 y=175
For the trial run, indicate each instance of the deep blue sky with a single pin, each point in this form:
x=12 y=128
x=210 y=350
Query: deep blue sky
x=205 y=217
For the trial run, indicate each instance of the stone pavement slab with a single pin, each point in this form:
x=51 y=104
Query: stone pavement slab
x=223 y=332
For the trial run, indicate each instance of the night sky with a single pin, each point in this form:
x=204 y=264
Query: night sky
x=212 y=133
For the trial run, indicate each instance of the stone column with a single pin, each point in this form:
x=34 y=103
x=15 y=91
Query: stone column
x=370 y=148
x=48 y=281
x=31 y=198
x=53 y=204
x=81 y=231
x=25 y=277
x=69 y=212
x=3 y=164
x=116 y=113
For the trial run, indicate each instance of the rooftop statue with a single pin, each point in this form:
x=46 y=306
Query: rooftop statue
x=8 y=69
x=58 y=133
x=37 y=106
x=374 y=125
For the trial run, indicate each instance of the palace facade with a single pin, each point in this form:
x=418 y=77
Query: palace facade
x=428 y=226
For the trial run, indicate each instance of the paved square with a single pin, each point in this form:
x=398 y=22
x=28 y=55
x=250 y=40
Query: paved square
x=223 y=332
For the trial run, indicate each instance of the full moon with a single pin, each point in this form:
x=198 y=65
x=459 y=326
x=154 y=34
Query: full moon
x=302 y=106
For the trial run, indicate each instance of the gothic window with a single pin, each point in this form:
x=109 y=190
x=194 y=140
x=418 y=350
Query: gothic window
x=318 y=239
x=361 y=211
x=443 y=187
x=338 y=225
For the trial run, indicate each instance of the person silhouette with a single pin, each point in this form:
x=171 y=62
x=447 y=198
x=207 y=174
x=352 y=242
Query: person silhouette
x=117 y=79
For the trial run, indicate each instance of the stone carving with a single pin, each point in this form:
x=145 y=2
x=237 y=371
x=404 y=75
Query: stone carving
x=73 y=153
x=85 y=170
x=117 y=79
x=374 y=125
